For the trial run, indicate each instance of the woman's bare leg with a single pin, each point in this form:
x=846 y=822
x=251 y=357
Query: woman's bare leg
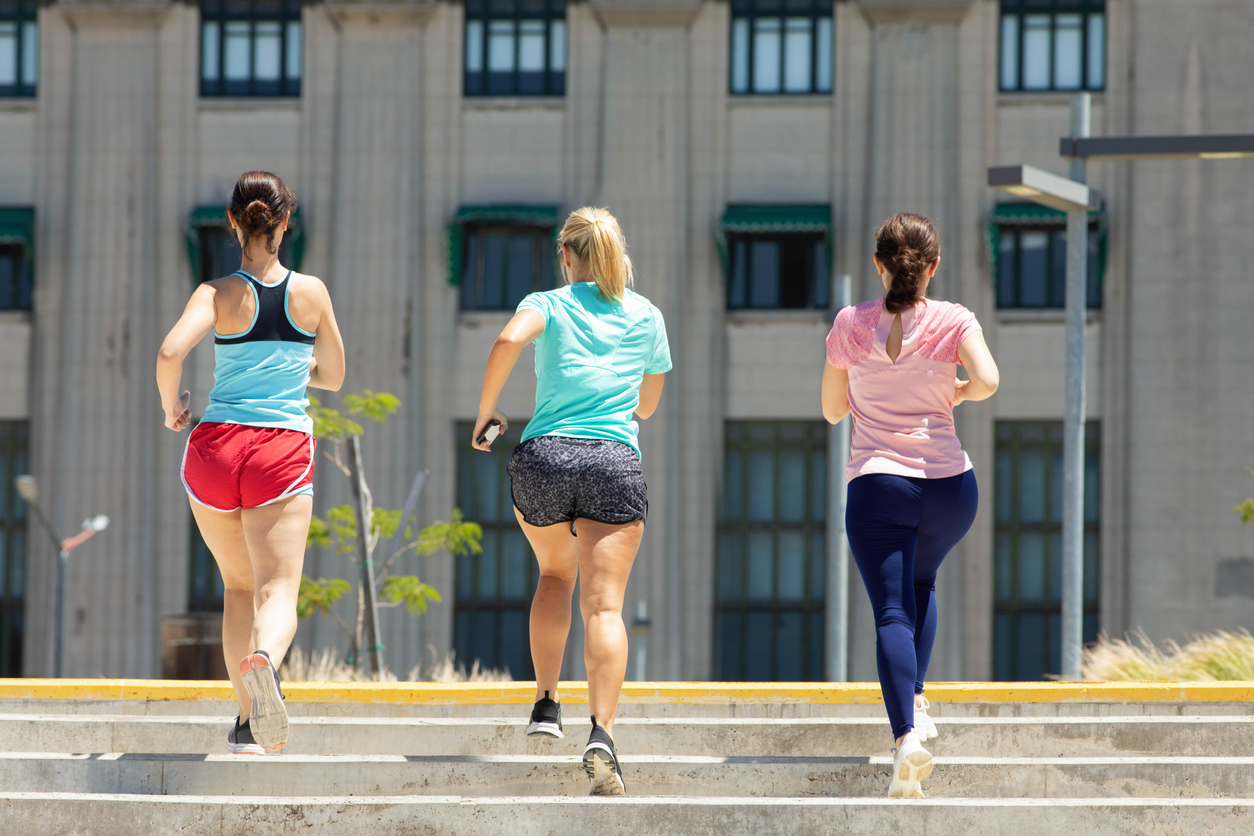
x=554 y=546
x=224 y=535
x=276 y=537
x=606 y=553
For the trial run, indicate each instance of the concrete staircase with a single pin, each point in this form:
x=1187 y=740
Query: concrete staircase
x=148 y=758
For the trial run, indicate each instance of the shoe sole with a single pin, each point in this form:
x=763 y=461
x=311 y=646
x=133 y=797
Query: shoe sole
x=915 y=768
x=550 y=730
x=604 y=779
x=268 y=719
x=245 y=749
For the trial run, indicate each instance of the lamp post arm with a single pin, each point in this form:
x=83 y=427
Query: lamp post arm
x=43 y=522
x=69 y=544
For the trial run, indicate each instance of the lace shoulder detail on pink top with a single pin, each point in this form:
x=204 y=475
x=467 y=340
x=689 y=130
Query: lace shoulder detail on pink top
x=853 y=334
x=942 y=328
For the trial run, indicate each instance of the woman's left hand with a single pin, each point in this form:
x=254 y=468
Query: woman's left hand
x=179 y=416
x=960 y=390
x=481 y=426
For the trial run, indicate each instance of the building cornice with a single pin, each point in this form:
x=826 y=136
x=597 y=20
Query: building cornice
x=887 y=12
x=103 y=13
x=639 y=13
x=351 y=13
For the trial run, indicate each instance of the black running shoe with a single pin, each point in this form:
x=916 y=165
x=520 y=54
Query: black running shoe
x=601 y=763
x=546 y=719
x=240 y=740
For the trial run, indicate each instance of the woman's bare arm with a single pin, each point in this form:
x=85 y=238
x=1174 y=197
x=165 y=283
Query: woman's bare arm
x=981 y=370
x=327 y=369
x=835 y=393
x=522 y=329
x=196 y=322
x=650 y=395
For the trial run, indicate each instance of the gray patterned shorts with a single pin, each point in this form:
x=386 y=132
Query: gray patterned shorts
x=555 y=479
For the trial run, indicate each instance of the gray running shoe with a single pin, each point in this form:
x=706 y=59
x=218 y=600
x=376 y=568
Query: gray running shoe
x=269 y=715
x=600 y=761
x=240 y=740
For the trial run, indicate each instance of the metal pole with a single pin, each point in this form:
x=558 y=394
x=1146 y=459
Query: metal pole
x=837 y=542
x=1074 y=414
x=60 y=625
x=362 y=508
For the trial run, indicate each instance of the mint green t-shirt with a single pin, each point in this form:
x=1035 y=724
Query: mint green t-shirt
x=590 y=361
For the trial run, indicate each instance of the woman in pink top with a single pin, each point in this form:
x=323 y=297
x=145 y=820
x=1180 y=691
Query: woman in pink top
x=912 y=494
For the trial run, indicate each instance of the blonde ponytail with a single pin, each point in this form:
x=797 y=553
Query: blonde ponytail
x=595 y=240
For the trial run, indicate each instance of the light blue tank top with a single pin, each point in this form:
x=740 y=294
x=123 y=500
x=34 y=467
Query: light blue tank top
x=260 y=376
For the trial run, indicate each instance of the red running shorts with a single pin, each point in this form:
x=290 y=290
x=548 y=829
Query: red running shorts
x=232 y=466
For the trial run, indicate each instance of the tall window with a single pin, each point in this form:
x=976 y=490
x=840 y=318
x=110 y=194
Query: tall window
x=778 y=271
x=19 y=47
x=15 y=279
x=1053 y=45
x=771 y=564
x=515 y=48
x=1032 y=267
x=1027 y=626
x=503 y=263
x=494 y=588
x=205 y=587
x=250 y=47
x=781 y=46
x=13 y=463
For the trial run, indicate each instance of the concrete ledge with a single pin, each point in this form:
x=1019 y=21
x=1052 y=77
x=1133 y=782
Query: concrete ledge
x=720 y=693
x=130 y=815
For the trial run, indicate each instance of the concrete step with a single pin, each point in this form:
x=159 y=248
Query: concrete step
x=1199 y=736
x=552 y=775
x=151 y=815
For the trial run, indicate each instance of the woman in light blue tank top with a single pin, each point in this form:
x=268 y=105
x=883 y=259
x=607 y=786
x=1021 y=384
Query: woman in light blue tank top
x=248 y=465
x=577 y=484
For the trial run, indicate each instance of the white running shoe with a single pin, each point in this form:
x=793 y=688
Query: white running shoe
x=924 y=726
x=268 y=722
x=911 y=764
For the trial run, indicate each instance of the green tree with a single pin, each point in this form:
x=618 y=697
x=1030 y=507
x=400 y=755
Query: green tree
x=337 y=531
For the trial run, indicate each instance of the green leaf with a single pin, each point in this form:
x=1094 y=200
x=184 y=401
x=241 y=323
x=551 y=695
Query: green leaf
x=376 y=406
x=384 y=523
x=457 y=537
x=410 y=591
x=1246 y=511
x=319 y=596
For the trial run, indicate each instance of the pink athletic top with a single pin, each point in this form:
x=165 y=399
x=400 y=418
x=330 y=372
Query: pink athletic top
x=903 y=412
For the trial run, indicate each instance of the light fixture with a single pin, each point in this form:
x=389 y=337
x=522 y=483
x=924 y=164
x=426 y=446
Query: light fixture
x=27 y=488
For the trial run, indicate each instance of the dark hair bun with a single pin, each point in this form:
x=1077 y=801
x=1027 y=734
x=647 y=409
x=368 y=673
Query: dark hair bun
x=259 y=203
x=907 y=246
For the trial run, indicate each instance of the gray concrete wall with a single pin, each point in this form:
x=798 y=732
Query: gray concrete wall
x=382 y=149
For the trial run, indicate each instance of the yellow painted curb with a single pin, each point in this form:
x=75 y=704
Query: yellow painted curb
x=496 y=693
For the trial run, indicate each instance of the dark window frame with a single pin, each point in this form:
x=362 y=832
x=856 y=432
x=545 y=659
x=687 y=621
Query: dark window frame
x=497 y=522
x=19 y=296
x=1012 y=439
x=220 y=13
x=818 y=288
x=14 y=462
x=1010 y=288
x=473 y=276
x=483 y=13
x=211 y=266
x=205 y=588
x=755 y=10
x=734 y=608
x=22 y=14
x=1085 y=8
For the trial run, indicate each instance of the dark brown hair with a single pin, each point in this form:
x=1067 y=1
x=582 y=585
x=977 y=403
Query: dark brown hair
x=907 y=246
x=259 y=203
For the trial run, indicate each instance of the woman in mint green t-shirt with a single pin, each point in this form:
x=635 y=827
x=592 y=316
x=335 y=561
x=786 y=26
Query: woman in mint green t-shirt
x=579 y=494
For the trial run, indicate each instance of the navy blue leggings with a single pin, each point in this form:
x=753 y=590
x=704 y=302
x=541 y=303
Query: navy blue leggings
x=900 y=529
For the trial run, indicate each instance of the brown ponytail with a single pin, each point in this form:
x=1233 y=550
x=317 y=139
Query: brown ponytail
x=595 y=240
x=907 y=246
x=259 y=203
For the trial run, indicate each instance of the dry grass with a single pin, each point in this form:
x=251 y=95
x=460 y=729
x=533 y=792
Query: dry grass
x=1214 y=657
x=326 y=666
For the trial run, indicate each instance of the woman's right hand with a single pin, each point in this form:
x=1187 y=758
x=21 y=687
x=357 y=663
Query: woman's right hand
x=178 y=416
x=482 y=423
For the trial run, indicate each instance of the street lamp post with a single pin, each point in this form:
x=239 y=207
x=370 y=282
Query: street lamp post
x=28 y=489
x=1074 y=197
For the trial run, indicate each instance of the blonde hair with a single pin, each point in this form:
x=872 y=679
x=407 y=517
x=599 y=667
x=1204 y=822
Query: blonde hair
x=595 y=240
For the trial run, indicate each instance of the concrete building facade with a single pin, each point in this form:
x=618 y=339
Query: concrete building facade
x=119 y=146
